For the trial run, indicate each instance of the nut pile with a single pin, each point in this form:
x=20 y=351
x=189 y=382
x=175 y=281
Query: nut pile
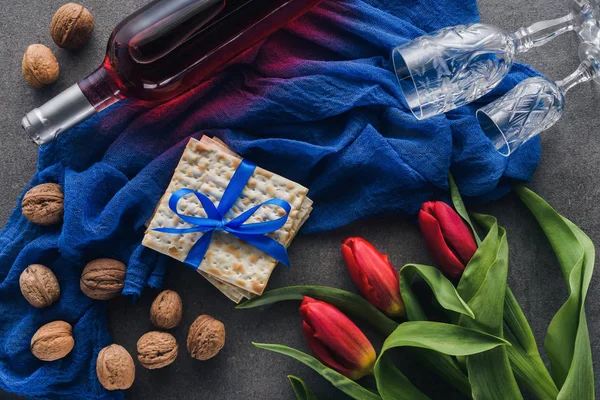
x=156 y=349
x=104 y=279
x=71 y=27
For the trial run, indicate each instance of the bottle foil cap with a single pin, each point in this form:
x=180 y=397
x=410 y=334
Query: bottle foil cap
x=45 y=123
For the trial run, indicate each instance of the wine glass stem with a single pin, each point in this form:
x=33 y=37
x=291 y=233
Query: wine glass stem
x=542 y=32
x=584 y=73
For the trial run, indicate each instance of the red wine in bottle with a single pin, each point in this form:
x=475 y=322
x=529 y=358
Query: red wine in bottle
x=161 y=51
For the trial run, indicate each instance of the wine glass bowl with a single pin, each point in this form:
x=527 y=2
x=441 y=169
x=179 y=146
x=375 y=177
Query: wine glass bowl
x=534 y=105
x=452 y=67
x=528 y=109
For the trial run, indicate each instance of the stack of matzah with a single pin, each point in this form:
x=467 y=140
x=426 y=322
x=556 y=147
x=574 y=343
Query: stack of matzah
x=233 y=266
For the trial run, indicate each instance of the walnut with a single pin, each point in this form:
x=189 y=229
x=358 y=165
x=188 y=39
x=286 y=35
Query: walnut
x=39 y=286
x=206 y=337
x=43 y=204
x=166 y=310
x=71 y=26
x=157 y=350
x=103 y=279
x=52 y=341
x=115 y=368
x=39 y=66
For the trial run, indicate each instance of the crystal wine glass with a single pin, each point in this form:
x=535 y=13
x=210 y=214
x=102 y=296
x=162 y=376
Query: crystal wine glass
x=534 y=105
x=457 y=65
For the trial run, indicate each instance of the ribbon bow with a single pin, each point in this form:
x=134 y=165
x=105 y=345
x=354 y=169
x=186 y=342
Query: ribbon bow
x=253 y=233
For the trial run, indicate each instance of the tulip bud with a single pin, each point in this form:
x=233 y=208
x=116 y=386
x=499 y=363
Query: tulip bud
x=374 y=276
x=448 y=238
x=335 y=340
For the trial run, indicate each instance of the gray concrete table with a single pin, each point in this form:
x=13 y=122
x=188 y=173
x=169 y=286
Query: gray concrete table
x=567 y=178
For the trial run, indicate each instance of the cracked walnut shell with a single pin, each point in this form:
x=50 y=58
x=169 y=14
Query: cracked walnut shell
x=39 y=286
x=115 y=368
x=157 y=350
x=166 y=310
x=206 y=337
x=103 y=279
x=52 y=341
x=71 y=26
x=43 y=204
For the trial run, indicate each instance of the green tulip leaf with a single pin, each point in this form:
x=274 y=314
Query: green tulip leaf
x=518 y=324
x=338 y=380
x=483 y=286
x=459 y=206
x=443 y=290
x=567 y=341
x=448 y=339
x=524 y=356
x=349 y=303
x=301 y=389
x=486 y=254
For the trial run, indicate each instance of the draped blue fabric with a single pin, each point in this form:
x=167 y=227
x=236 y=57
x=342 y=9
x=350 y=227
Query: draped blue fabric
x=315 y=102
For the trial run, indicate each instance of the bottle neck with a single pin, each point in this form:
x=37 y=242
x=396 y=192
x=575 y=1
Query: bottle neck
x=101 y=88
x=584 y=73
x=542 y=32
x=80 y=101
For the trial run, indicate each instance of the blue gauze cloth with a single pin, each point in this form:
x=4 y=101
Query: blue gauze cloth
x=315 y=102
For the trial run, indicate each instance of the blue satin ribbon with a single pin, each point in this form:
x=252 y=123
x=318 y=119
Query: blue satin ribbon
x=253 y=233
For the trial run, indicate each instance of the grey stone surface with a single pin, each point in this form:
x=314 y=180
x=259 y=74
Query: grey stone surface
x=567 y=178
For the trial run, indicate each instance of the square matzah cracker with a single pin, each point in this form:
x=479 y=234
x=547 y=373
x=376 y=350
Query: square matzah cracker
x=234 y=293
x=209 y=170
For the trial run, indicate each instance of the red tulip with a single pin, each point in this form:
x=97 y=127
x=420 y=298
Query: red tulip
x=375 y=277
x=335 y=340
x=448 y=238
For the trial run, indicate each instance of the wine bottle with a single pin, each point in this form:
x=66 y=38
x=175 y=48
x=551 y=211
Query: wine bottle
x=161 y=51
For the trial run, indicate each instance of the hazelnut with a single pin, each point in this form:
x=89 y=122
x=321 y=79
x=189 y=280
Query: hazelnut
x=157 y=350
x=39 y=66
x=39 y=286
x=103 y=279
x=115 y=368
x=52 y=341
x=166 y=310
x=71 y=26
x=43 y=204
x=206 y=337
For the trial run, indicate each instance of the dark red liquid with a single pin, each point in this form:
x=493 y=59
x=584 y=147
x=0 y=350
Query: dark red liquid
x=170 y=46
